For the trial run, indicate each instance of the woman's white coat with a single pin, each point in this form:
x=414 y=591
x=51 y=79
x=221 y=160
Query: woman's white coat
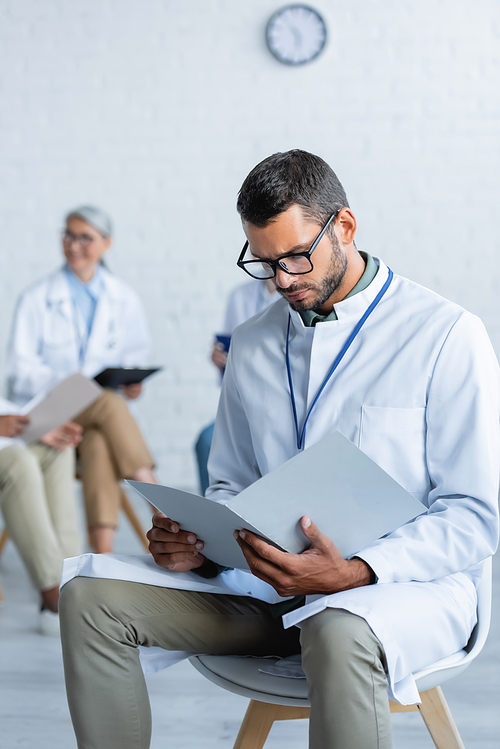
x=49 y=338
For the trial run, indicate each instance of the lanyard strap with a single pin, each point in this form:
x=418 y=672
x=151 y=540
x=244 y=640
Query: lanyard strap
x=301 y=435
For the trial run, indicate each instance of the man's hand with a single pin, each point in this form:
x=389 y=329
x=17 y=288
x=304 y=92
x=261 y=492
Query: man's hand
x=132 y=391
x=176 y=550
x=219 y=356
x=319 y=569
x=13 y=425
x=67 y=435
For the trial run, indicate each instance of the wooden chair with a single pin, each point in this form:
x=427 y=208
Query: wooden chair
x=276 y=698
x=128 y=509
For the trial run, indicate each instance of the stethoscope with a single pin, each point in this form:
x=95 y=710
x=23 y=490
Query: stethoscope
x=80 y=335
x=83 y=337
x=302 y=435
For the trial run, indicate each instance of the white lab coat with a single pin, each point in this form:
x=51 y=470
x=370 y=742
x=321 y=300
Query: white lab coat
x=48 y=335
x=418 y=392
x=245 y=301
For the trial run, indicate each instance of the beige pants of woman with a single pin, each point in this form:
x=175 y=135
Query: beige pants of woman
x=39 y=510
x=112 y=449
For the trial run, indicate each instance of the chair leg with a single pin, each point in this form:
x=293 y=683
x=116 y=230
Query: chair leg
x=3 y=539
x=395 y=707
x=437 y=716
x=439 y=720
x=259 y=719
x=133 y=519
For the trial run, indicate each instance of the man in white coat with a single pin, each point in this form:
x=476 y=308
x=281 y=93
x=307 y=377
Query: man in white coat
x=408 y=377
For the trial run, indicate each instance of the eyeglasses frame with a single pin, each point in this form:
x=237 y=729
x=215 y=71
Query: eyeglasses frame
x=85 y=240
x=275 y=263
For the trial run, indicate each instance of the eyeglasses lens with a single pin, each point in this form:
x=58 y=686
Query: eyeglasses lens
x=296 y=265
x=260 y=270
x=82 y=239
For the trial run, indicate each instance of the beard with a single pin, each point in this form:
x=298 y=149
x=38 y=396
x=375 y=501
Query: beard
x=326 y=287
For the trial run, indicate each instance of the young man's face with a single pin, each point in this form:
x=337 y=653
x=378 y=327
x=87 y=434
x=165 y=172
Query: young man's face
x=292 y=231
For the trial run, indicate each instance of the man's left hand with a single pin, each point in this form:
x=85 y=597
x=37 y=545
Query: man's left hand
x=319 y=569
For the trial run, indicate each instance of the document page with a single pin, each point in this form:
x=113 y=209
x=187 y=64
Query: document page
x=345 y=493
x=65 y=401
x=214 y=523
x=348 y=496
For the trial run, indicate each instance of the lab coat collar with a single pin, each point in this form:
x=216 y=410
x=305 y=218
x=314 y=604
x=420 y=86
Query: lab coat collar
x=58 y=288
x=350 y=309
x=113 y=287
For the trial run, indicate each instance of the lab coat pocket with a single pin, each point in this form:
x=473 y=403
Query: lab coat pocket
x=395 y=439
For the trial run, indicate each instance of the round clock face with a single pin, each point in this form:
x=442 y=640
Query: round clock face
x=296 y=34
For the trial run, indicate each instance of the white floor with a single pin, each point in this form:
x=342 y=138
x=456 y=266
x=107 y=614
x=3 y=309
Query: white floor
x=187 y=710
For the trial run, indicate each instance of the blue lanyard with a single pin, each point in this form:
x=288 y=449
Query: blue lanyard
x=301 y=436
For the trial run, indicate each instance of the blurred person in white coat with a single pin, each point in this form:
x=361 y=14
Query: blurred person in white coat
x=83 y=318
x=37 y=501
x=408 y=377
x=244 y=302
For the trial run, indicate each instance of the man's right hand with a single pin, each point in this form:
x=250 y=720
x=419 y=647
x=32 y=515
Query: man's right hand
x=176 y=550
x=13 y=425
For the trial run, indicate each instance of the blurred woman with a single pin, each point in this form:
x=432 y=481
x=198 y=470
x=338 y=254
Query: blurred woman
x=83 y=318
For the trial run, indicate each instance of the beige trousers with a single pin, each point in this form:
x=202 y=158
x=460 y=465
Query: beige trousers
x=103 y=622
x=38 y=505
x=112 y=449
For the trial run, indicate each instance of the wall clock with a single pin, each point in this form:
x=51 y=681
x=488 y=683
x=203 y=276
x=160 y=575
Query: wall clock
x=296 y=34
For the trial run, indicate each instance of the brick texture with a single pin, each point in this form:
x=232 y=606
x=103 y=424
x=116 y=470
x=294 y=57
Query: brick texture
x=156 y=110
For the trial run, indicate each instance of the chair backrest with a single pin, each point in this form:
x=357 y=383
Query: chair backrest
x=447 y=668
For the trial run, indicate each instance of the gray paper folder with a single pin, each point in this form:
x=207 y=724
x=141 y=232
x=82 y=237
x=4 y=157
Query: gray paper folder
x=67 y=399
x=348 y=496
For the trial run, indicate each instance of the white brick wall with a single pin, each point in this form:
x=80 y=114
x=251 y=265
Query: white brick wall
x=156 y=110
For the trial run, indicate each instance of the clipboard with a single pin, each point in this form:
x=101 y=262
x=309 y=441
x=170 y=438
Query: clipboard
x=346 y=494
x=113 y=377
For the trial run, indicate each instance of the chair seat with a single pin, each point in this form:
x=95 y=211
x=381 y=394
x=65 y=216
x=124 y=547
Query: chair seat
x=241 y=675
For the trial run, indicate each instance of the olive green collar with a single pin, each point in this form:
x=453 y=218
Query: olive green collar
x=310 y=318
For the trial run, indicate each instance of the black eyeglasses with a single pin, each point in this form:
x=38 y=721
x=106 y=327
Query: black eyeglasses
x=83 y=239
x=297 y=263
